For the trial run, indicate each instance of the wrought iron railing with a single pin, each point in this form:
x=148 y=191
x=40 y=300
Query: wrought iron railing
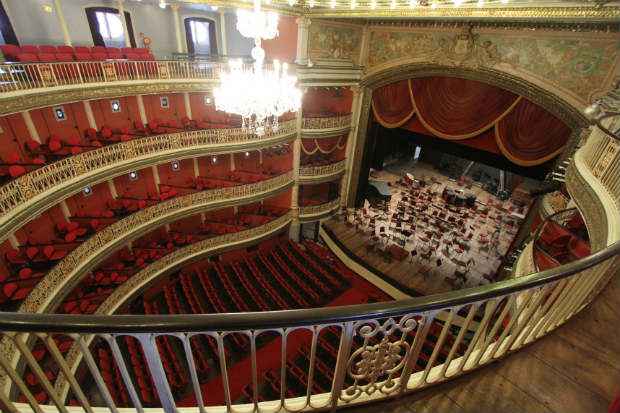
x=327 y=122
x=30 y=76
x=379 y=350
x=52 y=182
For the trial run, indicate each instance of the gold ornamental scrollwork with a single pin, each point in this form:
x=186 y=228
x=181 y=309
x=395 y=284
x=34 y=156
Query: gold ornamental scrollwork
x=382 y=355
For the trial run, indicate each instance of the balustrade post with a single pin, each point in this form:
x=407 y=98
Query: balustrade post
x=153 y=360
x=342 y=362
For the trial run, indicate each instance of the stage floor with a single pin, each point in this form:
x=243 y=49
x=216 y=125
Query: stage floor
x=488 y=237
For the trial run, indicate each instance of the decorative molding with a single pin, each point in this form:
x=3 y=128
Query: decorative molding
x=323 y=173
x=66 y=275
x=577 y=66
x=318 y=212
x=44 y=97
x=326 y=126
x=545 y=16
x=29 y=195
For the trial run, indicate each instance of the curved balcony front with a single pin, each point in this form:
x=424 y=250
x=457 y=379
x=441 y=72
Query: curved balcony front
x=321 y=173
x=326 y=125
x=26 y=86
x=318 y=212
x=27 y=196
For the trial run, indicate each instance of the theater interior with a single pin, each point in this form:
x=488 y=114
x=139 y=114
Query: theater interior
x=309 y=205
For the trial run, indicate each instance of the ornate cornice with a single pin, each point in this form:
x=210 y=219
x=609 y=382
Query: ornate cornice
x=544 y=98
x=44 y=97
x=317 y=212
x=66 y=275
x=545 y=16
x=27 y=196
x=323 y=173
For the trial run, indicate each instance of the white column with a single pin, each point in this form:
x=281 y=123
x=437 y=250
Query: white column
x=196 y=167
x=89 y=114
x=177 y=27
x=232 y=162
x=13 y=241
x=112 y=189
x=303 y=25
x=121 y=12
x=65 y=210
x=32 y=130
x=224 y=45
x=155 y=172
x=260 y=157
x=141 y=110
x=356 y=107
x=188 y=105
x=62 y=22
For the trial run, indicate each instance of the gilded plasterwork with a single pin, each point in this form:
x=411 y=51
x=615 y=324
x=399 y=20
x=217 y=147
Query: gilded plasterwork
x=580 y=64
x=328 y=41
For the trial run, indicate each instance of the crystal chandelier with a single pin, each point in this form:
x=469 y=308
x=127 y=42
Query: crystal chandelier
x=260 y=94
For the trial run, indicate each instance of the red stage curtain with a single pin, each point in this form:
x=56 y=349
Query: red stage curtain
x=529 y=135
x=393 y=104
x=454 y=108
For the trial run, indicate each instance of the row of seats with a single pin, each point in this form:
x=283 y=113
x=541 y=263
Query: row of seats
x=50 y=53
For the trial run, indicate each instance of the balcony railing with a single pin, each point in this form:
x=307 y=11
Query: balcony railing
x=377 y=348
x=21 y=198
x=327 y=122
x=30 y=76
x=308 y=172
x=316 y=210
x=68 y=272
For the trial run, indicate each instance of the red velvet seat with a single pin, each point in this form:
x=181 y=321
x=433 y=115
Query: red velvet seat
x=47 y=48
x=65 y=49
x=64 y=57
x=27 y=57
x=30 y=48
x=82 y=49
x=10 y=51
x=98 y=49
x=99 y=56
x=83 y=57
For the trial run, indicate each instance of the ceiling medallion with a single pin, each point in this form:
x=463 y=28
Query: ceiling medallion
x=259 y=93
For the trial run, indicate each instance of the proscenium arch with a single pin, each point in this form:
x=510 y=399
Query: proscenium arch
x=546 y=99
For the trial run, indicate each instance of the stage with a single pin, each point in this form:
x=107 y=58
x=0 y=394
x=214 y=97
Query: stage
x=432 y=236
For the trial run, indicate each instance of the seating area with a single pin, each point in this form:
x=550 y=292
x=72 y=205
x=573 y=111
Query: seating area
x=51 y=236
x=96 y=287
x=49 y=53
x=322 y=151
x=561 y=241
x=277 y=274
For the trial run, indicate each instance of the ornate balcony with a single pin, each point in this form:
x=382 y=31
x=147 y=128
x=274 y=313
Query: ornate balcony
x=317 y=212
x=168 y=263
x=326 y=126
x=29 y=195
x=54 y=83
x=322 y=173
x=68 y=272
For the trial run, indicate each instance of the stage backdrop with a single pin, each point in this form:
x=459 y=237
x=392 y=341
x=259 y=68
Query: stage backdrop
x=474 y=114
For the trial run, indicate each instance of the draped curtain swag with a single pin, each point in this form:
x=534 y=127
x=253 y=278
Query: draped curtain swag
x=473 y=112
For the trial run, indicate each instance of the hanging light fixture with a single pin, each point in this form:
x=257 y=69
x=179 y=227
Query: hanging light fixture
x=259 y=94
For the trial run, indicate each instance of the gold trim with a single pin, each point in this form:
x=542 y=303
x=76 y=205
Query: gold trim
x=27 y=196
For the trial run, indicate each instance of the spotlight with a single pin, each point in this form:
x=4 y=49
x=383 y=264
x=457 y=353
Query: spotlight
x=87 y=191
x=133 y=175
x=247 y=154
x=214 y=159
x=175 y=166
